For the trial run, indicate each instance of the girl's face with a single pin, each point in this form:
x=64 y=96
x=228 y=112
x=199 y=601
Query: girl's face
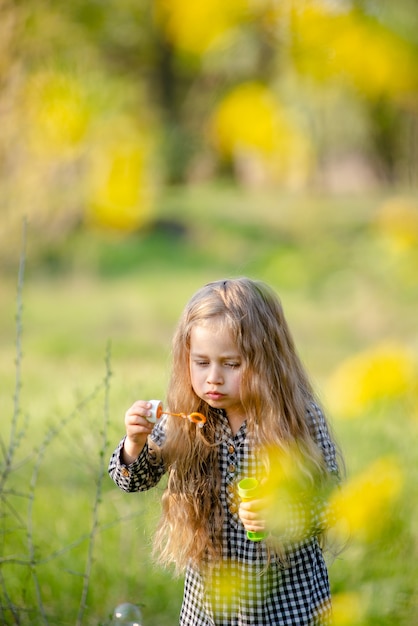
x=216 y=368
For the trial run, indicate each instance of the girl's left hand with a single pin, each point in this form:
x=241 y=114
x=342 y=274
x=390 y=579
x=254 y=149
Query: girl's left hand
x=252 y=514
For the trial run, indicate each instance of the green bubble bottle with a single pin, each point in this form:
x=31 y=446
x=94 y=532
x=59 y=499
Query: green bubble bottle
x=248 y=489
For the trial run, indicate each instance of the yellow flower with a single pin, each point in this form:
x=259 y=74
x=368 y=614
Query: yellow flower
x=226 y=585
x=347 y=609
x=197 y=26
x=247 y=118
x=397 y=223
x=382 y=373
x=365 y=502
x=251 y=123
x=120 y=187
x=290 y=484
x=329 y=42
x=57 y=112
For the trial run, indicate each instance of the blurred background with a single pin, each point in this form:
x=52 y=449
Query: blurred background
x=106 y=105
x=147 y=148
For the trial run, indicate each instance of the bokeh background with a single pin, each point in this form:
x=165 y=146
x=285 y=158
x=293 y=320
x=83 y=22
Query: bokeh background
x=145 y=149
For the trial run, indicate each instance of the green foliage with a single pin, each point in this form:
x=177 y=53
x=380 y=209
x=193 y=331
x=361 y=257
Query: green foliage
x=73 y=546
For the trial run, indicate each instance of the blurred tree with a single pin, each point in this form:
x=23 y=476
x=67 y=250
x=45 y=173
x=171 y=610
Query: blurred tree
x=68 y=70
x=252 y=130
x=362 y=53
x=63 y=95
x=120 y=187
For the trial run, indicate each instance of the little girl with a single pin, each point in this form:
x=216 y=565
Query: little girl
x=234 y=361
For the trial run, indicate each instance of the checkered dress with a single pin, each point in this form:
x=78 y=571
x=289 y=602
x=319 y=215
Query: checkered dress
x=252 y=586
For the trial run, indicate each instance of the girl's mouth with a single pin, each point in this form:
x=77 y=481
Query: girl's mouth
x=214 y=395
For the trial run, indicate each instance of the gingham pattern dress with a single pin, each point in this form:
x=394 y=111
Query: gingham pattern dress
x=252 y=586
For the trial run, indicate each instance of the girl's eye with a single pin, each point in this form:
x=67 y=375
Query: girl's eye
x=232 y=364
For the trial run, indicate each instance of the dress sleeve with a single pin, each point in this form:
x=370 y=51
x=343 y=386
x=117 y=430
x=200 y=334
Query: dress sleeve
x=146 y=471
x=323 y=439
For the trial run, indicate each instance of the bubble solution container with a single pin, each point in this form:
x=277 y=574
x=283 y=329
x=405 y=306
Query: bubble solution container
x=248 y=489
x=156 y=411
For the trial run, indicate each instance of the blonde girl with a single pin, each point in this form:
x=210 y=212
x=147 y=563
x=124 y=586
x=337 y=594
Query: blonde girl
x=234 y=361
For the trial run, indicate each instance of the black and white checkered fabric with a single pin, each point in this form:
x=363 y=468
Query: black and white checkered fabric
x=252 y=586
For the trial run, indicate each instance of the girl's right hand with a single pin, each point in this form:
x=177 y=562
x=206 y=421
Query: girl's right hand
x=137 y=429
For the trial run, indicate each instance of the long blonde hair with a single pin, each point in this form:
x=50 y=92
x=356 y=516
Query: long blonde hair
x=275 y=393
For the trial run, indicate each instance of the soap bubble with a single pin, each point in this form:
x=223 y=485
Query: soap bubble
x=127 y=614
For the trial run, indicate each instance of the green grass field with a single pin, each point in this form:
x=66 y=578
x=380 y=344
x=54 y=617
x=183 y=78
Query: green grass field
x=97 y=319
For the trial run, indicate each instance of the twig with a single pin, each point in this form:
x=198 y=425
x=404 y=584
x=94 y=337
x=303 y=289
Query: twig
x=95 y=528
x=10 y=606
x=8 y=452
x=32 y=561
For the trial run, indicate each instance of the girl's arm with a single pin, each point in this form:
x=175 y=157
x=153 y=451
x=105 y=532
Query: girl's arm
x=143 y=473
x=136 y=464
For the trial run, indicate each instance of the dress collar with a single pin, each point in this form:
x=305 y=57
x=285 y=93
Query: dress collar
x=225 y=431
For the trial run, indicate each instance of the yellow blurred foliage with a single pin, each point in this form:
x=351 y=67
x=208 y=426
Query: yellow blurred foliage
x=365 y=502
x=227 y=585
x=120 y=189
x=248 y=118
x=251 y=122
x=289 y=470
x=195 y=27
x=397 y=223
x=329 y=42
x=57 y=112
x=290 y=485
x=348 y=609
x=384 y=372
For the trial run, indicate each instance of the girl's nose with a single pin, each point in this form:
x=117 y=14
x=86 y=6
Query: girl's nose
x=214 y=375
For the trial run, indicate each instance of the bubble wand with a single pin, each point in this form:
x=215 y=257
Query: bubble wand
x=157 y=412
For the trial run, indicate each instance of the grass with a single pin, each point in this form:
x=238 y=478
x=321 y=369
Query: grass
x=343 y=290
